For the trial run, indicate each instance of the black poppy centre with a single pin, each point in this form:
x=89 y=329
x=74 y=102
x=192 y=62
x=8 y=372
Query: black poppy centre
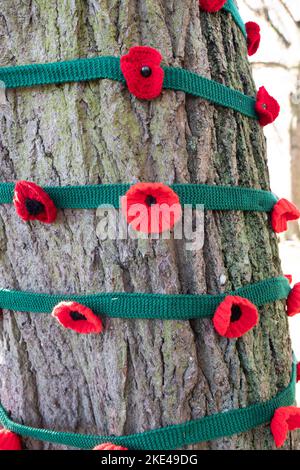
x=150 y=200
x=77 y=316
x=34 y=207
x=236 y=313
x=146 y=71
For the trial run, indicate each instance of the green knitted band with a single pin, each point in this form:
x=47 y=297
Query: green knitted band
x=140 y=305
x=109 y=67
x=171 y=437
x=212 y=197
x=231 y=7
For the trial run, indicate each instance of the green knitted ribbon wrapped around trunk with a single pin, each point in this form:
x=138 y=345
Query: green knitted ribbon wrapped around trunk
x=208 y=428
x=211 y=197
x=94 y=68
x=140 y=305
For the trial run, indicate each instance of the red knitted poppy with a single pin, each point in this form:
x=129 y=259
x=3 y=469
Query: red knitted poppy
x=77 y=317
x=212 y=5
x=285 y=419
x=282 y=212
x=266 y=107
x=109 y=446
x=33 y=203
x=293 y=301
x=289 y=278
x=235 y=316
x=9 y=440
x=142 y=71
x=151 y=207
x=253 y=37
x=298 y=372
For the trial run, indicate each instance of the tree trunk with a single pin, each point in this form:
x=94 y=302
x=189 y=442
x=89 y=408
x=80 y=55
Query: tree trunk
x=139 y=374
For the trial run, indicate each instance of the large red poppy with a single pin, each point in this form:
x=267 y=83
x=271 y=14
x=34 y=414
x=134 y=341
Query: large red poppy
x=235 y=316
x=293 y=301
x=285 y=419
x=212 y=5
x=109 y=446
x=253 y=37
x=266 y=107
x=282 y=213
x=33 y=203
x=142 y=71
x=151 y=207
x=9 y=440
x=77 y=317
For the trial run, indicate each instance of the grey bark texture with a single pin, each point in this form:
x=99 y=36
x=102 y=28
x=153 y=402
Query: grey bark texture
x=141 y=374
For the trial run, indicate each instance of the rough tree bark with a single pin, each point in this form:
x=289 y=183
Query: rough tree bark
x=139 y=374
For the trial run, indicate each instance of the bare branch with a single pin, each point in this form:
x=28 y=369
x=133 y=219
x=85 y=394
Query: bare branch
x=287 y=9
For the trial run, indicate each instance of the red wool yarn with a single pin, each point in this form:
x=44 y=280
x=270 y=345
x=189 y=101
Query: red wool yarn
x=293 y=301
x=9 y=440
x=151 y=207
x=142 y=71
x=266 y=107
x=77 y=317
x=212 y=5
x=109 y=446
x=289 y=277
x=285 y=419
x=283 y=211
x=235 y=316
x=33 y=203
x=253 y=37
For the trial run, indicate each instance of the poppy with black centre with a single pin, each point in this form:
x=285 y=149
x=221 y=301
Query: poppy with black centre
x=33 y=203
x=77 y=317
x=139 y=202
x=235 y=316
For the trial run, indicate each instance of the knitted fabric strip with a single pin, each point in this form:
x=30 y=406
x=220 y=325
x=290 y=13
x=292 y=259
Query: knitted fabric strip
x=231 y=7
x=140 y=305
x=171 y=437
x=109 y=67
x=212 y=197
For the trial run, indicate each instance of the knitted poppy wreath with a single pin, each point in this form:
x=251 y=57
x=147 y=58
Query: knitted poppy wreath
x=233 y=313
x=278 y=411
x=159 y=204
x=141 y=69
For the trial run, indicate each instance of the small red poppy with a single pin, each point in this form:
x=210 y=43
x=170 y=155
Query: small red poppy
x=253 y=37
x=235 y=316
x=151 y=207
x=33 y=203
x=298 y=372
x=289 y=277
x=142 y=71
x=285 y=419
x=109 y=446
x=212 y=5
x=283 y=211
x=293 y=301
x=9 y=440
x=77 y=317
x=266 y=107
